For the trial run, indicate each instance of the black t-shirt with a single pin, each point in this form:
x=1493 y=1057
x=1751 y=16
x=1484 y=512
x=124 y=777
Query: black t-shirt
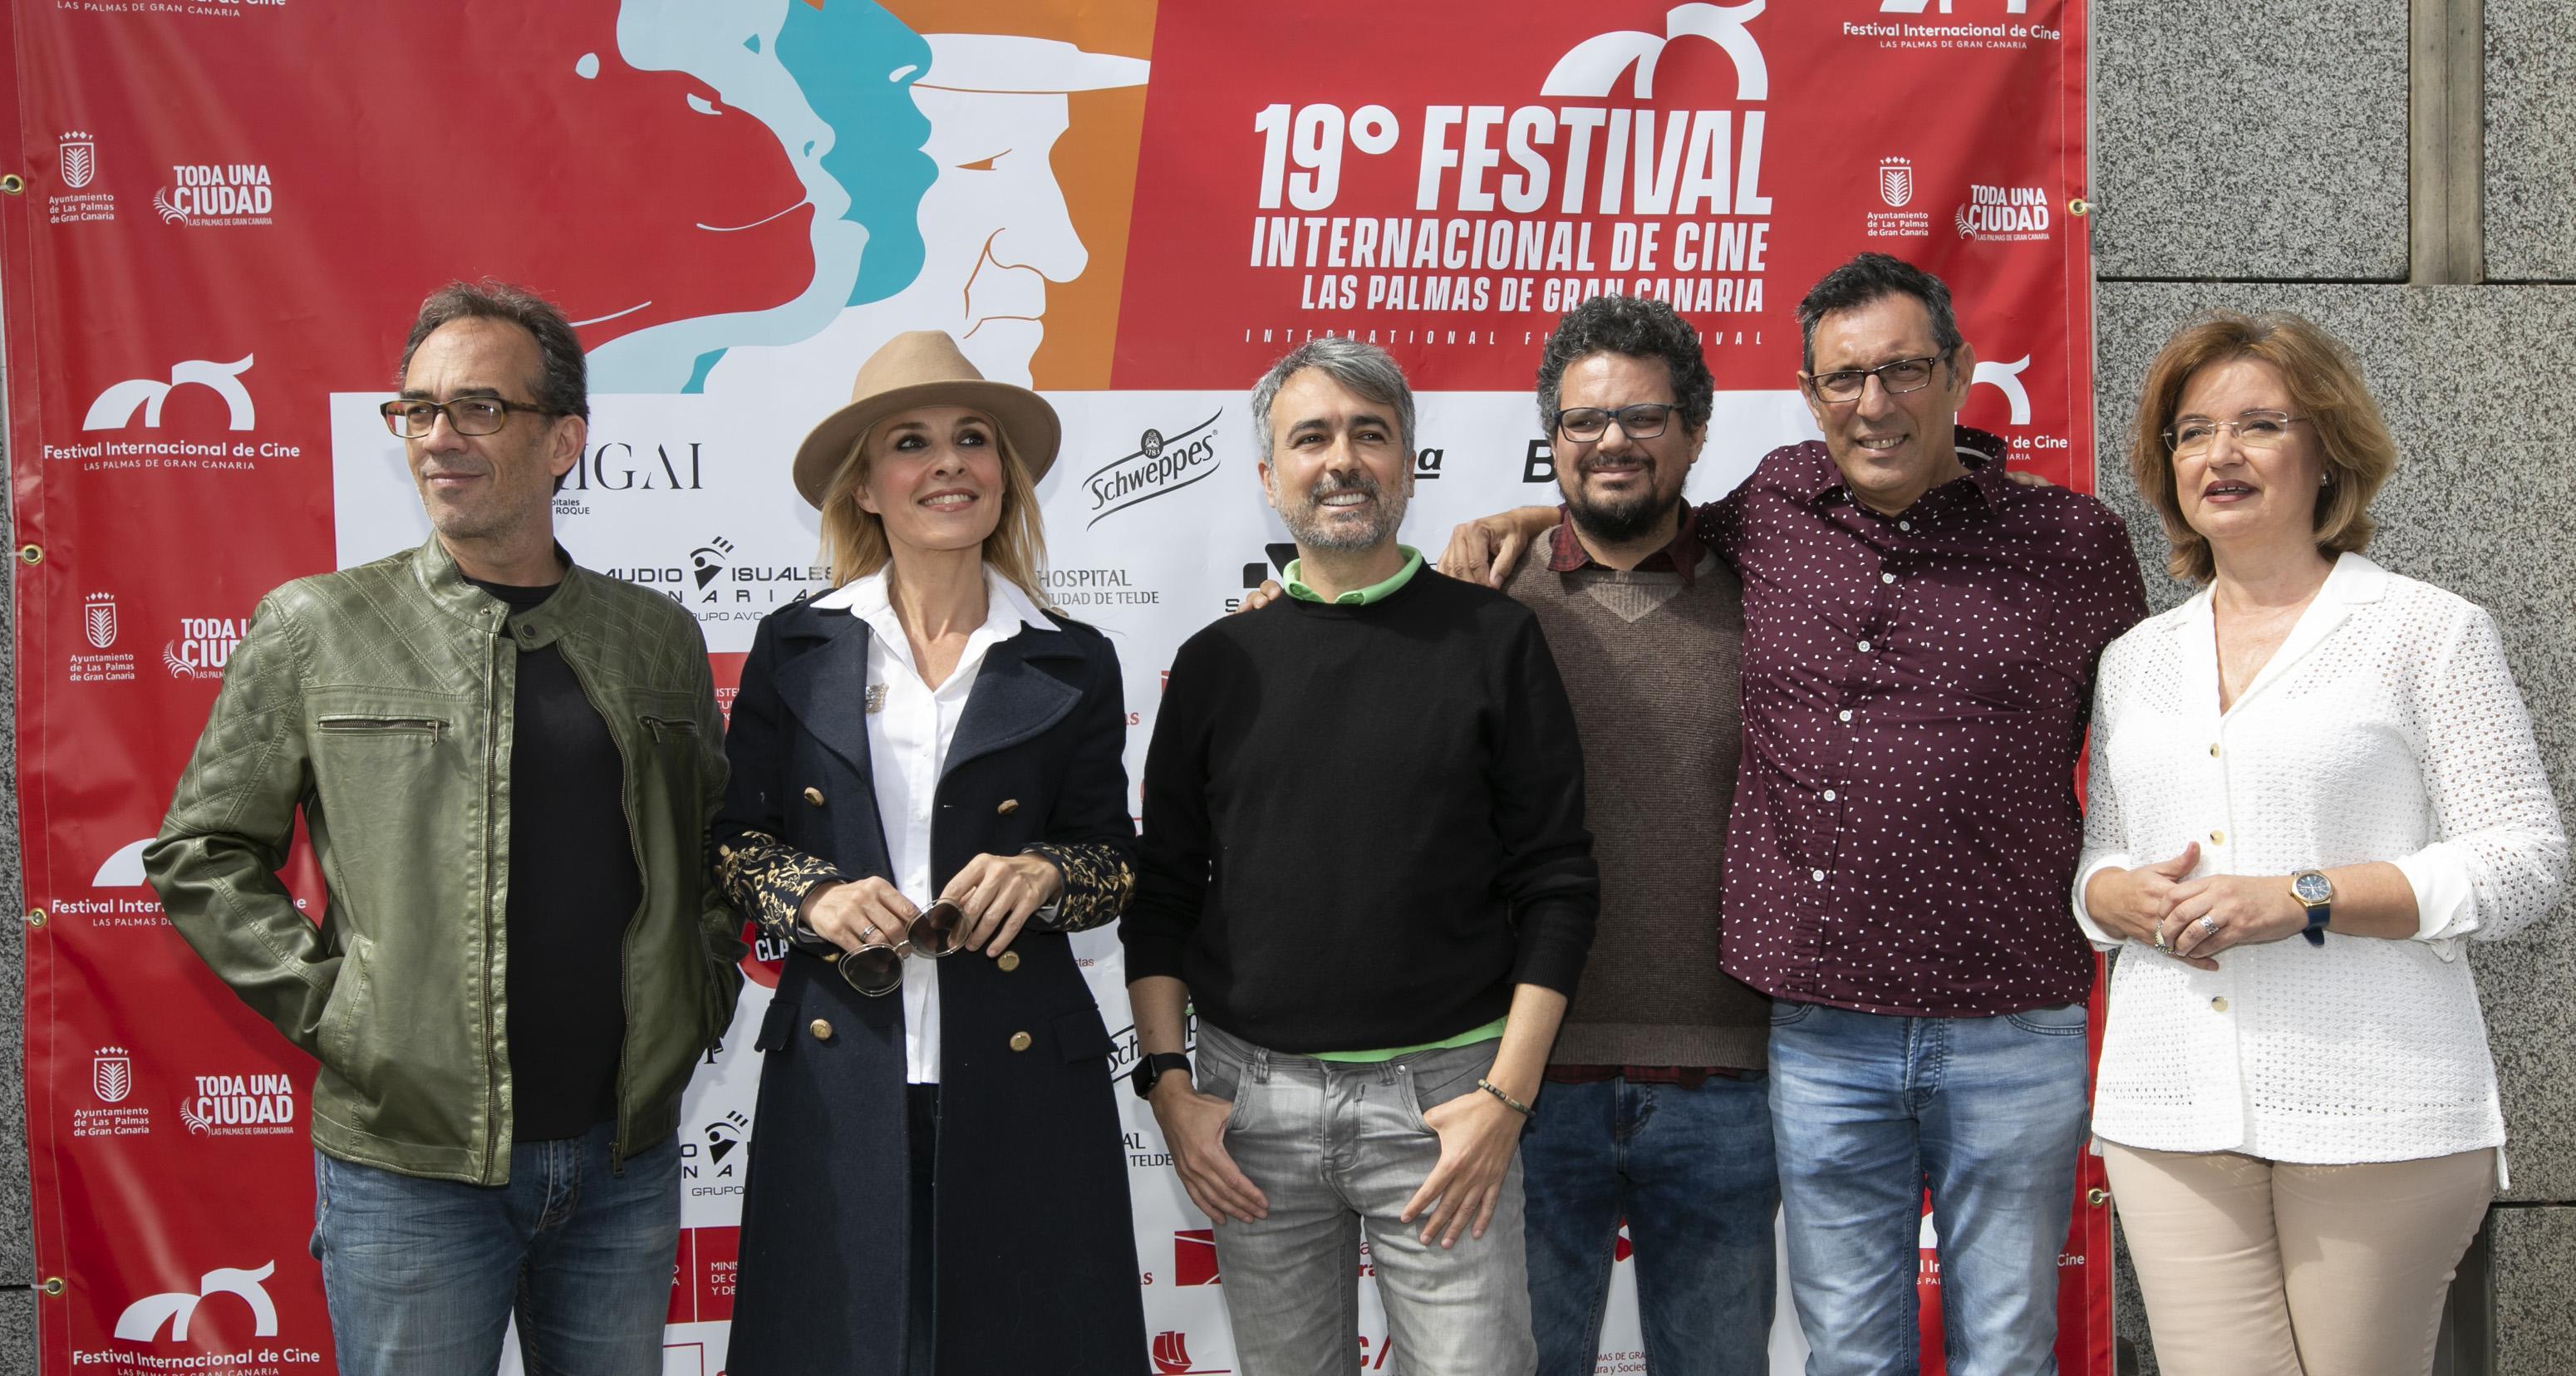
x=574 y=886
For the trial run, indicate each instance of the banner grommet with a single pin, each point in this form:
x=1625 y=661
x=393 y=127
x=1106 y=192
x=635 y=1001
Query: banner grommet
x=36 y=918
x=53 y=1285
x=2079 y=206
x=33 y=554
x=13 y=184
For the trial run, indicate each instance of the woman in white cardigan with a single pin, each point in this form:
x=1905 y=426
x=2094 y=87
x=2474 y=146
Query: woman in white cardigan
x=2312 y=785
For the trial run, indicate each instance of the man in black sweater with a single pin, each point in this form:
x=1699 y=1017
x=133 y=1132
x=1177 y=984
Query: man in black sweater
x=1364 y=857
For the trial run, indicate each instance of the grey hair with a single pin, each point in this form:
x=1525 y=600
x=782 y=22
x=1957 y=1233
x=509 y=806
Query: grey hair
x=563 y=379
x=1366 y=370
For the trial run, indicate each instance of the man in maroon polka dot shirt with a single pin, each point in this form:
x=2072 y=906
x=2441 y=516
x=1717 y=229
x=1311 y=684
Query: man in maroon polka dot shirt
x=1920 y=640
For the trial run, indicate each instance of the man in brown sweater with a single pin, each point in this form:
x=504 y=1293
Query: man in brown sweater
x=1655 y=1107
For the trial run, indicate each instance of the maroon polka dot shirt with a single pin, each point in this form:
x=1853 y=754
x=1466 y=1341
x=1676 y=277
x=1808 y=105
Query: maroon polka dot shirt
x=1916 y=690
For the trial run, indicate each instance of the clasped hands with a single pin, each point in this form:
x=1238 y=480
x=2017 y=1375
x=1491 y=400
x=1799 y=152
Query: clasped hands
x=995 y=897
x=2193 y=920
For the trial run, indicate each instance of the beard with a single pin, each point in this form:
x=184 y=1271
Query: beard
x=1310 y=523
x=1619 y=520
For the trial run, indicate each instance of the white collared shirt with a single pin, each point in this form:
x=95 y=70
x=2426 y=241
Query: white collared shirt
x=908 y=739
x=2385 y=727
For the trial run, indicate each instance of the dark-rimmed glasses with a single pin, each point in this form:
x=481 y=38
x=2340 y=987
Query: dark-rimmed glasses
x=1902 y=376
x=876 y=969
x=1643 y=421
x=413 y=418
x=2193 y=435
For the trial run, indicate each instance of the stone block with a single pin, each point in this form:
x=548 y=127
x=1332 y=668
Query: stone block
x=2530 y=140
x=2535 y=1289
x=2250 y=139
x=18 y=1330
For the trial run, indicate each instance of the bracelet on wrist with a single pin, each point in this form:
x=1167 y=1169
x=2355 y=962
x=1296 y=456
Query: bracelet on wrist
x=1509 y=1102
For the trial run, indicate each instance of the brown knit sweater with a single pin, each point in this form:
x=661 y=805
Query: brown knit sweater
x=1652 y=666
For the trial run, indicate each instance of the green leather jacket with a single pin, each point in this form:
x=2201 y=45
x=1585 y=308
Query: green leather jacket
x=378 y=700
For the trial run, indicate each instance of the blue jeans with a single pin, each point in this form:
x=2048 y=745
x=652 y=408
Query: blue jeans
x=422 y=1276
x=1868 y=1110
x=1691 y=1171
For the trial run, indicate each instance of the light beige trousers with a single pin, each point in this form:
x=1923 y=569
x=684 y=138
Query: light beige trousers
x=2264 y=1268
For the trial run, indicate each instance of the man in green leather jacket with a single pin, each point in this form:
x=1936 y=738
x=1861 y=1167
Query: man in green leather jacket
x=505 y=764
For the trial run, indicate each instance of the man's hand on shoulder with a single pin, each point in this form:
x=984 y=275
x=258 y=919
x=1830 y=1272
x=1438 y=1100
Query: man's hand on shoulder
x=1487 y=549
x=1260 y=597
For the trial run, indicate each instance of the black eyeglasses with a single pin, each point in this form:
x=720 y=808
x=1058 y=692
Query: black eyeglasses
x=1902 y=376
x=466 y=415
x=1643 y=421
x=876 y=969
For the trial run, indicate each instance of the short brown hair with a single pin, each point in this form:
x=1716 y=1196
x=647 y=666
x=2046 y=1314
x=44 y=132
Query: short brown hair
x=2325 y=388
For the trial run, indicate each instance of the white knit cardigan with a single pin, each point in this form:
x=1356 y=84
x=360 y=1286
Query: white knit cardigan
x=2386 y=727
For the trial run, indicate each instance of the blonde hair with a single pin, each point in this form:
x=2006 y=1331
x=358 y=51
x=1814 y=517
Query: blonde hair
x=854 y=538
x=2326 y=388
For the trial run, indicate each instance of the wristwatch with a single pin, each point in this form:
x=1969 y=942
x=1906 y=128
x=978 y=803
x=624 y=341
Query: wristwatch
x=2315 y=892
x=1149 y=1071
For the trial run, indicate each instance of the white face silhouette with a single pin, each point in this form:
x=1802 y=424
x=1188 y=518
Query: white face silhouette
x=994 y=226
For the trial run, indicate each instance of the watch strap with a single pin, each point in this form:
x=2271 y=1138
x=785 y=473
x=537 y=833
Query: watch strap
x=1151 y=1069
x=2319 y=913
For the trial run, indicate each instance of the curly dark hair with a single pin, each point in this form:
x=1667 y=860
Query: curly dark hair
x=1638 y=328
x=1868 y=278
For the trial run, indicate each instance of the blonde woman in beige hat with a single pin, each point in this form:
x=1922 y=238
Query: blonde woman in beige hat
x=927 y=798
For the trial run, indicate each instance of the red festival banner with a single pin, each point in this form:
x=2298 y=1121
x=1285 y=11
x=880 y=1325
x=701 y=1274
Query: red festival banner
x=224 y=213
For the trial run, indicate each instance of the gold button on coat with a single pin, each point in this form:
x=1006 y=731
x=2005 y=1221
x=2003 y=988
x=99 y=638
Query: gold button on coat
x=2213 y=750
x=2219 y=1003
x=822 y=1030
x=1008 y=960
x=1020 y=1041
x=1009 y=806
x=2218 y=838
x=814 y=796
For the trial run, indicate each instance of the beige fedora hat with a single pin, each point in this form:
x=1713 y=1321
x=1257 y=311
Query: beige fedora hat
x=925 y=368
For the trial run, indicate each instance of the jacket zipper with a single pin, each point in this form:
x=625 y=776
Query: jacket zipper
x=491 y=783
x=381 y=725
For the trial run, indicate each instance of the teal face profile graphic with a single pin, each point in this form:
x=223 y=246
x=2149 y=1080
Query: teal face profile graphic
x=994 y=228
x=832 y=84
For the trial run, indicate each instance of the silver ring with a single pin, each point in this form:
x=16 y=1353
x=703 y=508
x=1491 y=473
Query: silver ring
x=2209 y=925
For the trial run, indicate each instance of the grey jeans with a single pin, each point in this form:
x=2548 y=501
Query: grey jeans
x=1338 y=1149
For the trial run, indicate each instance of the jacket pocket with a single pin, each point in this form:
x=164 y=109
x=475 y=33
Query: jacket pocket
x=387 y=728
x=336 y=1042
x=1081 y=1036
x=778 y=1028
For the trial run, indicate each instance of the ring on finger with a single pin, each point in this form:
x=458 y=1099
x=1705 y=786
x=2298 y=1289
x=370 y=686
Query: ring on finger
x=2209 y=926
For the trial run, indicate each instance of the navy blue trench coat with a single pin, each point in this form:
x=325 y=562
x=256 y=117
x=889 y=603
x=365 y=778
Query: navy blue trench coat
x=1035 y=1254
